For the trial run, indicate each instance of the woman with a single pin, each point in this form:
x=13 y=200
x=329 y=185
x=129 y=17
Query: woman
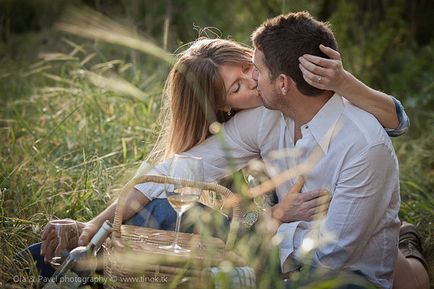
x=211 y=81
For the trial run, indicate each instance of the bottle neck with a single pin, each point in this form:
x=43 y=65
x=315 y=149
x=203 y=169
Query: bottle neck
x=99 y=237
x=91 y=247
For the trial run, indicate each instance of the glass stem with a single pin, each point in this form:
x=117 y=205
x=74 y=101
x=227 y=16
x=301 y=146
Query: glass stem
x=178 y=225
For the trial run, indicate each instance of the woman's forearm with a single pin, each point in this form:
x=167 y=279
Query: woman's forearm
x=329 y=74
x=373 y=101
x=135 y=202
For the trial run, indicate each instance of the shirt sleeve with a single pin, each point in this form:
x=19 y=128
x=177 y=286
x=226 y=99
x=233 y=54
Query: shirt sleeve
x=221 y=154
x=359 y=202
x=404 y=121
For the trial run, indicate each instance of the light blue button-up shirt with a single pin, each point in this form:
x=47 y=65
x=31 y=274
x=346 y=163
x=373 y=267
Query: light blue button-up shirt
x=355 y=161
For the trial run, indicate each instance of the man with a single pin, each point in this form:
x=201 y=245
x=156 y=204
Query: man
x=356 y=158
x=358 y=162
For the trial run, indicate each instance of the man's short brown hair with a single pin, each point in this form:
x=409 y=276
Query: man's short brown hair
x=283 y=39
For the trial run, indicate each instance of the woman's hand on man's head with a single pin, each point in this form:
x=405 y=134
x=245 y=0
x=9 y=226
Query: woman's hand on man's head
x=323 y=73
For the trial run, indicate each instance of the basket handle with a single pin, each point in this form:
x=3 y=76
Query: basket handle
x=224 y=192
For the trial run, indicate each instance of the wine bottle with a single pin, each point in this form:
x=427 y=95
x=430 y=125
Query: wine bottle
x=82 y=259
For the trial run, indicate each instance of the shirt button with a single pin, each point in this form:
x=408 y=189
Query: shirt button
x=306 y=127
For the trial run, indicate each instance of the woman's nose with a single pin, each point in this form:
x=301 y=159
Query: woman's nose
x=249 y=72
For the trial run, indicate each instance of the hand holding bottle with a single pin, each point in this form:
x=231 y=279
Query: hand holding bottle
x=82 y=259
x=88 y=230
x=85 y=231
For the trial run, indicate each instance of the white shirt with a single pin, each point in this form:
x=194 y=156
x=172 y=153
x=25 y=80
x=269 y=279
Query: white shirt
x=357 y=164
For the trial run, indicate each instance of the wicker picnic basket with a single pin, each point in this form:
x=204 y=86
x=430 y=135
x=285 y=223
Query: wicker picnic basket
x=133 y=259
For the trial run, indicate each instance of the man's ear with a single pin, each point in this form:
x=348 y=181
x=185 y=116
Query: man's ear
x=284 y=83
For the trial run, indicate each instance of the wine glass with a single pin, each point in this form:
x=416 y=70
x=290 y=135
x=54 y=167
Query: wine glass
x=180 y=197
x=66 y=234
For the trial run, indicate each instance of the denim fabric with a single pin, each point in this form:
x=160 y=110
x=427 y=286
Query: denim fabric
x=404 y=121
x=158 y=214
x=33 y=252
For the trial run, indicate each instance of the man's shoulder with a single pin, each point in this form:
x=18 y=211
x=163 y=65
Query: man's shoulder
x=364 y=127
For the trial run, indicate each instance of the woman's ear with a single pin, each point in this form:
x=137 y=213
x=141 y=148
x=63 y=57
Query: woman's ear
x=226 y=108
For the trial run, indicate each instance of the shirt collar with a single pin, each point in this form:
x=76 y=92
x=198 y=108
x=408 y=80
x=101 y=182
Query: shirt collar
x=323 y=124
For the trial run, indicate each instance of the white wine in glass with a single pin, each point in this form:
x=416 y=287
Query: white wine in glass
x=181 y=202
x=182 y=198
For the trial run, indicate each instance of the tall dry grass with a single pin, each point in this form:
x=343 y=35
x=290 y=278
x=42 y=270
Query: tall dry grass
x=78 y=120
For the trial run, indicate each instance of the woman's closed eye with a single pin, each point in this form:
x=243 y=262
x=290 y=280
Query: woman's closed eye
x=237 y=87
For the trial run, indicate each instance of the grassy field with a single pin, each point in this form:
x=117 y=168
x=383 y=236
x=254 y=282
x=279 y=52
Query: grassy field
x=70 y=140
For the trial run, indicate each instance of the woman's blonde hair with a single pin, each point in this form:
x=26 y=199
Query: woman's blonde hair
x=194 y=95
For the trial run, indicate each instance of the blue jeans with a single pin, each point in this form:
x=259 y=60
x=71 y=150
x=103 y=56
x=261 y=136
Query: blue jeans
x=157 y=214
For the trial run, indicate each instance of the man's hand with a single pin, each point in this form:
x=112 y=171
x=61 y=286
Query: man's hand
x=299 y=206
x=49 y=239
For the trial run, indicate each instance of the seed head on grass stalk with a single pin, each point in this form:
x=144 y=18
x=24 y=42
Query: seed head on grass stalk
x=88 y=23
